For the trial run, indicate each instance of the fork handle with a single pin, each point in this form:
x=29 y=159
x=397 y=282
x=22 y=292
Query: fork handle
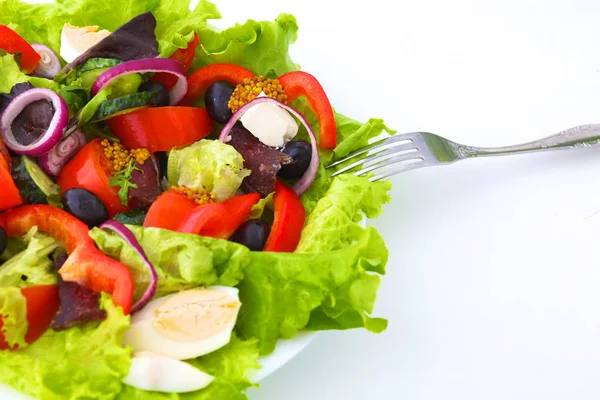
x=579 y=136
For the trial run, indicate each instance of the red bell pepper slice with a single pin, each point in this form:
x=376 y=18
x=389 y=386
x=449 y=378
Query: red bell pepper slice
x=184 y=56
x=289 y=220
x=90 y=169
x=200 y=80
x=42 y=306
x=12 y=43
x=299 y=83
x=11 y=196
x=161 y=128
x=85 y=265
x=219 y=220
x=169 y=210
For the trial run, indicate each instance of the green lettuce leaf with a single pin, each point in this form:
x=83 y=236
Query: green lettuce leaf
x=209 y=164
x=13 y=312
x=229 y=366
x=32 y=265
x=10 y=74
x=182 y=260
x=281 y=292
x=86 y=362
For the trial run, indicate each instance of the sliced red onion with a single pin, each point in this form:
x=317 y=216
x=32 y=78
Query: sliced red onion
x=54 y=161
x=126 y=234
x=176 y=93
x=49 y=65
x=50 y=138
x=309 y=176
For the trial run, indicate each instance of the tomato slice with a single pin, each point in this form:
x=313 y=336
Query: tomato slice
x=201 y=79
x=300 y=83
x=86 y=264
x=15 y=44
x=161 y=128
x=184 y=56
x=289 y=220
x=90 y=169
x=169 y=210
x=219 y=220
x=42 y=306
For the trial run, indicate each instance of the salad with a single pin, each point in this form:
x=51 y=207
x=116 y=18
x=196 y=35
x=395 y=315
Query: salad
x=165 y=214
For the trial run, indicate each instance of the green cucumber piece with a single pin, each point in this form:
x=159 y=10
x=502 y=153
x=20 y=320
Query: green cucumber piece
x=133 y=217
x=124 y=104
x=96 y=63
x=33 y=183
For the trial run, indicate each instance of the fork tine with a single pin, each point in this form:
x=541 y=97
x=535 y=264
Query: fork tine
x=374 y=146
x=394 y=171
x=378 y=157
x=413 y=155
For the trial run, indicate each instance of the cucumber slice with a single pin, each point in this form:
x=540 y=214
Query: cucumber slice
x=33 y=183
x=124 y=104
x=95 y=63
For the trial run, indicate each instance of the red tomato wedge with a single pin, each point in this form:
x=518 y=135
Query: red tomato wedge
x=219 y=220
x=12 y=43
x=201 y=79
x=289 y=220
x=184 y=56
x=42 y=306
x=85 y=265
x=161 y=128
x=300 y=83
x=90 y=169
x=169 y=210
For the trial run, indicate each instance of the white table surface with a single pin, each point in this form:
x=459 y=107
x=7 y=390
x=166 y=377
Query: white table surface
x=493 y=286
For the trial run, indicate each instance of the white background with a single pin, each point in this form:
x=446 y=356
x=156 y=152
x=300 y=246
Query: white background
x=493 y=286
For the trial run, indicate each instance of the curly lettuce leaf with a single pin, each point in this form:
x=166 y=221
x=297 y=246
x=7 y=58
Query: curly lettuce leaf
x=229 y=366
x=85 y=362
x=10 y=74
x=32 y=266
x=209 y=164
x=281 y=291
x=13 y=312
x=182 y=261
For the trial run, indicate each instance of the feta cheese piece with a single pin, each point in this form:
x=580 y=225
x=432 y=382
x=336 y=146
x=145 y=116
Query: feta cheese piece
x=271 y=124
x=74 y=40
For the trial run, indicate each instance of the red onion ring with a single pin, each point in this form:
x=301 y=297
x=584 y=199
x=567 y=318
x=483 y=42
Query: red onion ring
x=176 y=93
x=54 y=161
x=49 y=65
x=311 y=173
x=50 y=138
x=126 y=234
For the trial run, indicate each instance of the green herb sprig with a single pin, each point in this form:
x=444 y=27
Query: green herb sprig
x=122 y=179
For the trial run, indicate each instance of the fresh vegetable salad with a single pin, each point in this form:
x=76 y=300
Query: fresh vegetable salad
x=165 y=213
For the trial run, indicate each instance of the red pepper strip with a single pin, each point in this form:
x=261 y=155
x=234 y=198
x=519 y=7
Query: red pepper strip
x=85 y=265
x=299 y=83
x=169 y=210
x=200 y=80
x=161 y=128
x=11 y=197
x=42 y=306
x=184 y=56
x=219 y=220
x=4 y=154
x=289 y=220
x=12 y=43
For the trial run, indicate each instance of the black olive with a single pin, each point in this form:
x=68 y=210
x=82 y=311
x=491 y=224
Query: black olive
x=252 y=234
x=301 y=153
x=3 y=240
x=86 y=206
x=216 y=99
x=162 y=93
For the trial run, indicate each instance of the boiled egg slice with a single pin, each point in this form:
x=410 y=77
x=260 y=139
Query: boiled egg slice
x=270 y=124
x=187 y=324
x=151 y=371
x=75 y=40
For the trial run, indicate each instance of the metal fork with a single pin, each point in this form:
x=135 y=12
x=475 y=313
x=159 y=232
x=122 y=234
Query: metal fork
x=422 y=149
